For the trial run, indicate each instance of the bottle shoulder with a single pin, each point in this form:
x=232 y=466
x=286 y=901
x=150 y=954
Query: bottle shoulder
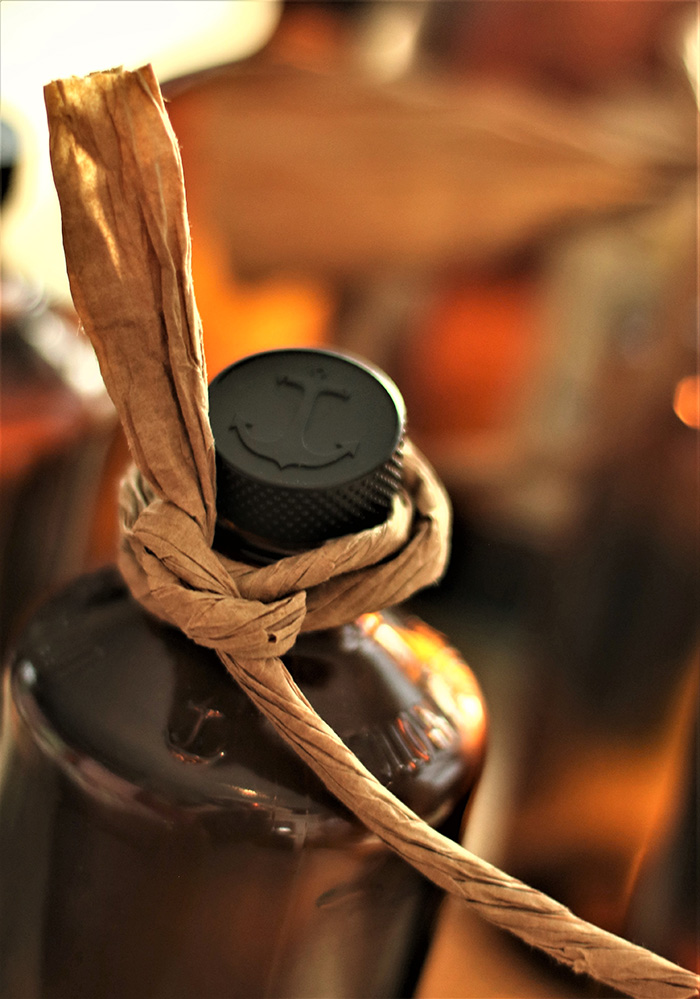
x=100 y=680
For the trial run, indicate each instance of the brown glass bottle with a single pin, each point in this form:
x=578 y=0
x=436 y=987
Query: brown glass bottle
x=158 y=839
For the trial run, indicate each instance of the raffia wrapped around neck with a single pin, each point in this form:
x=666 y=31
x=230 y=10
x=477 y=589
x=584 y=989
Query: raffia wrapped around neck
x=119 y=179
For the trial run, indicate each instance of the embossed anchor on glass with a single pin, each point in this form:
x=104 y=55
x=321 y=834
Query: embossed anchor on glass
x=158 y=839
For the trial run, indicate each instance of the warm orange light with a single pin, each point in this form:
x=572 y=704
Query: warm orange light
x=239 y=319
x=686 y=401
x=471 y=708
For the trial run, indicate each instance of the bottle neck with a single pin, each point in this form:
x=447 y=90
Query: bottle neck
x=243 y=546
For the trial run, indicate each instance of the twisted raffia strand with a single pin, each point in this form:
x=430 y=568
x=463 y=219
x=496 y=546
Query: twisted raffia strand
x=119 y=179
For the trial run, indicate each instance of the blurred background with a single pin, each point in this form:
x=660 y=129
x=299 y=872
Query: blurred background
x=496 y=202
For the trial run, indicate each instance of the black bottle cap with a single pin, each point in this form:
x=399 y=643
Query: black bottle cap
x=308 y=445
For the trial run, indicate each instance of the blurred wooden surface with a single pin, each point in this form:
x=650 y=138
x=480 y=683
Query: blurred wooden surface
x=340 y=177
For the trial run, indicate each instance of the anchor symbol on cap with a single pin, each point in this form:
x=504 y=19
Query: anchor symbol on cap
x=290 y=447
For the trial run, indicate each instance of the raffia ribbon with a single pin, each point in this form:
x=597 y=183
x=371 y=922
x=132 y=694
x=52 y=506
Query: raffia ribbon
x=119 y=179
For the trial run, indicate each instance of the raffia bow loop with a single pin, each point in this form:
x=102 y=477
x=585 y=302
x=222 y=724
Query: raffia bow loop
x=257 y=612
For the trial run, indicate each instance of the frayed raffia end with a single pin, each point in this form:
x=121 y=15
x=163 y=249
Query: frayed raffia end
x=119 y=180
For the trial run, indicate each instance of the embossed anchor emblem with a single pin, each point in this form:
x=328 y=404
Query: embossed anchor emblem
x=290 y=447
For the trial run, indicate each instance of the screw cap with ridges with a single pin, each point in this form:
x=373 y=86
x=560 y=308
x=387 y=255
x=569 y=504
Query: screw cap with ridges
x=308 y=445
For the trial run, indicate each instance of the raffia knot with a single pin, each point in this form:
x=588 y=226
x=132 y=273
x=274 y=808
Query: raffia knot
x=257 y=612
